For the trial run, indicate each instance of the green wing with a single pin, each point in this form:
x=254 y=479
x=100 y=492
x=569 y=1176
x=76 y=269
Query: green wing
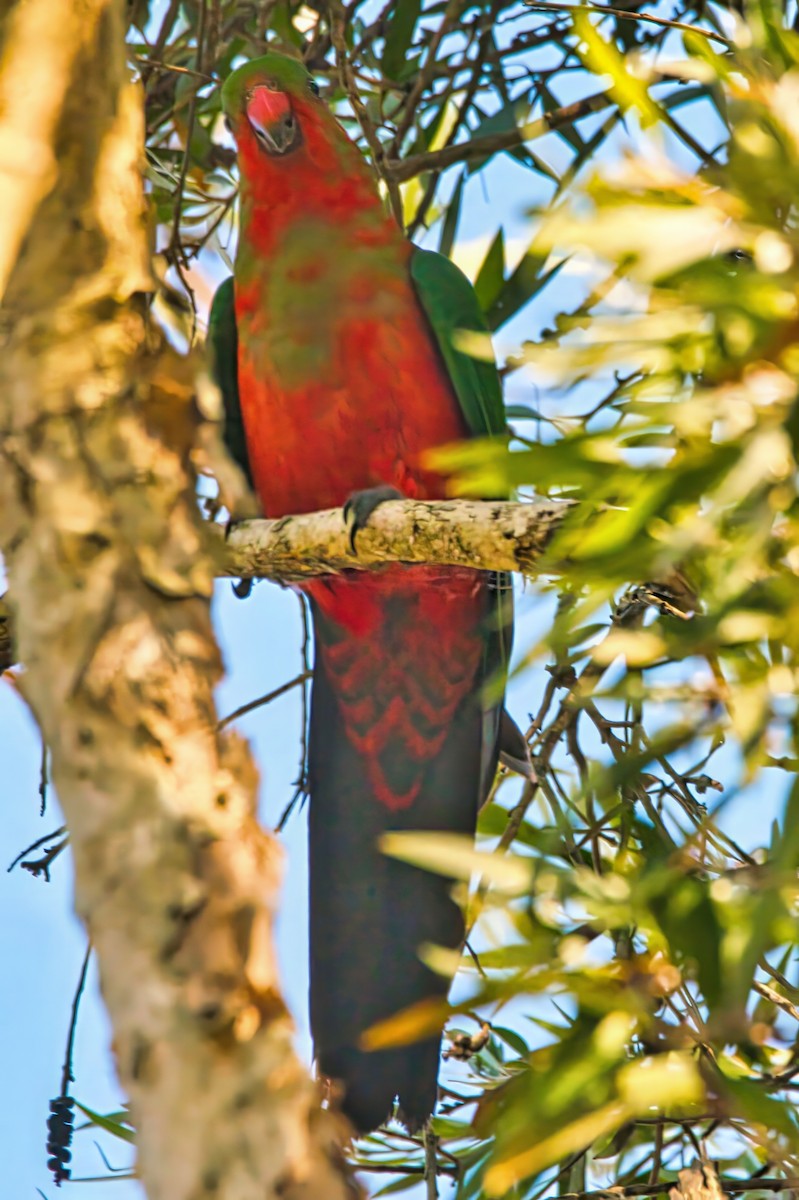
x=450 y=304
x=223 y=347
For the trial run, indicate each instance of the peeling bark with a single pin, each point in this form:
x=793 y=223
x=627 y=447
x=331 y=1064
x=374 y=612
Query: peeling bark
x=110 y=581
x=489 y=535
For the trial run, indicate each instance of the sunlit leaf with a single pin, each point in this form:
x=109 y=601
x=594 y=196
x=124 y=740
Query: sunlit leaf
x=111 y=1124
x=418 y=1021
x=663 y=1082
x=603 y=58
x=503 y=1175
x=454 y=855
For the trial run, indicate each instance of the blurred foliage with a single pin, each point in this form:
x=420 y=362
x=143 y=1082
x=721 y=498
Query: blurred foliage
x=630 y=988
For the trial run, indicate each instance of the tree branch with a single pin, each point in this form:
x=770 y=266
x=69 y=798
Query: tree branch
x=624 y=14
x=487 y=534
x=730 y=1185
x=486 y=145
x=483 y=147
x=109 y=593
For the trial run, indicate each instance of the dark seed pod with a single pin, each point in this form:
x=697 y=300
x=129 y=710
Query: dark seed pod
x=60 y=1128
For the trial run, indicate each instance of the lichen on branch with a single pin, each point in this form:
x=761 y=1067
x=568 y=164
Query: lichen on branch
x=487 y=534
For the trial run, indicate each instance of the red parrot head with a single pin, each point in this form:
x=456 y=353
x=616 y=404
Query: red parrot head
x=293 y=154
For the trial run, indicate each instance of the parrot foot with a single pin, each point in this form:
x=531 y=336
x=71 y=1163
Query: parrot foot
x=242 y=587
x=360 y=506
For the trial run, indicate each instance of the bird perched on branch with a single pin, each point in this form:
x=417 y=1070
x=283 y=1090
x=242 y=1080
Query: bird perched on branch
x=334 y=349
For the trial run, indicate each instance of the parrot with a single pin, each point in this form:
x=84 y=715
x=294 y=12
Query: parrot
x=333 y=345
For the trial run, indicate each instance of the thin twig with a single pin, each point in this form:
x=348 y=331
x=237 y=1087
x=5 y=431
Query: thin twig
x=170 y=16
x=430 y=1162
x=350 y=85
x=267 y=699
x=733 y=1186
x=162 y=66
x=299 y=793
x=483 y=147
x=302 y=775
x=768 y=993
x=301 y=782
x=100 y=1178
x=48 y=837
x=43 y=779
x=490 y=144
x=460 y=120
x=766 y=966
x=175 y=243
x=425 y=76
x=657 y=1153
x=41 y=866
x=376 y=1168
x=67 y=1076
x=625 y=15
x=225 y=208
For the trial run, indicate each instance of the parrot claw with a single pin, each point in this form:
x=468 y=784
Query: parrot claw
x=360 y=506
x=242 y=587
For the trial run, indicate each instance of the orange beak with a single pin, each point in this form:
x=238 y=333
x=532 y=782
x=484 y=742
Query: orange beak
x=272 y=120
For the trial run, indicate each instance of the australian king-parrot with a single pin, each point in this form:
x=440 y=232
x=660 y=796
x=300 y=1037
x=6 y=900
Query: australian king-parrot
x=333 y=347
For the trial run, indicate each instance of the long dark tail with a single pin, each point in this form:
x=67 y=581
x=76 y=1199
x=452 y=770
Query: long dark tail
x=370 y=914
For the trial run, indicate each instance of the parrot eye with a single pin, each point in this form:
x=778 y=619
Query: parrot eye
x=270 y=83
x=313 y=87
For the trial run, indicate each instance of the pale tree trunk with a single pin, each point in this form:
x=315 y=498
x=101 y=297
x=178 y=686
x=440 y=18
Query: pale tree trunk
x=111 y=580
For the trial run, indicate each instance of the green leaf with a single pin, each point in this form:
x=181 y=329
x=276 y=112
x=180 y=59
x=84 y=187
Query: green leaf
x=449 y=227
x=568 y=132
x=453 y=854
x=507 y=118
x=521 y=412
x=603 y=58
x=109 y=1123
x=513 y=1039
x=524 y=282
x=451 y=1129
x=403 y=1184
x=399 y=36
x=752 y=1103
x=491 y=276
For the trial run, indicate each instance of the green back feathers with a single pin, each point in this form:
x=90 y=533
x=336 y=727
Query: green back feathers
x=451 y=305
x=223 y=346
